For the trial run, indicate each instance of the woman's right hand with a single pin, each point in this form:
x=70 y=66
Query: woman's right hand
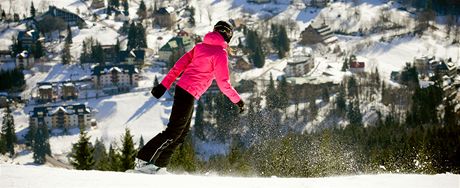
x=158 y=91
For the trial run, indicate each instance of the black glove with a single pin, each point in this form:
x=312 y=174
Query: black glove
x=240 y=105
x=158 y=91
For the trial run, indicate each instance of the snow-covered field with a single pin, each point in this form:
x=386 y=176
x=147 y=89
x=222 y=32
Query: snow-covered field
x=32 y=176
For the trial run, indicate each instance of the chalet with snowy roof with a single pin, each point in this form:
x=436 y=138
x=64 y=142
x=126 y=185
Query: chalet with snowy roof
x=46 y=93
x=28 y=38
x=69 y=91
x=164 y=17
x=97 y=4
x=446 y=67
x=317 y=33
x=70 y=18
x=355 y=65
x=178 y=44
x=133 y=57
x=65 y=117
x=115 y=78
x=24 y=60
x=299 y=66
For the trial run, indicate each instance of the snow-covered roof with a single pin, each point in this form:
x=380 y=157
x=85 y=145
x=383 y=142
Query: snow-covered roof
x=60 y=108
x=46 y=87
x=114 y=69
x=69 y=84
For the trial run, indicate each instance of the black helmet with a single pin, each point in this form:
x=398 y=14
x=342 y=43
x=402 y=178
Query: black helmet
x=225 y=29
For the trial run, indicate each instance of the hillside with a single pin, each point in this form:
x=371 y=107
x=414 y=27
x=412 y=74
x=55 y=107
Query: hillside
x=383 y=46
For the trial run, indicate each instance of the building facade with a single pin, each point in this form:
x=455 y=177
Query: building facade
x=25 y=60
x=317 y=33
x=115 y=78
x=165 y=17
x=46 y=93
x=299 y=66
x=65 y=117
x=178 y=44
x=70 y=18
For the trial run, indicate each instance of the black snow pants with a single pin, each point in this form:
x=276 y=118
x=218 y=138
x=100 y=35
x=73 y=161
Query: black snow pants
x=161 y=147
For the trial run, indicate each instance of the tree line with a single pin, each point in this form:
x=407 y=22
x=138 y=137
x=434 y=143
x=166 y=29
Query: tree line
x=12 y=80
x=267 y=142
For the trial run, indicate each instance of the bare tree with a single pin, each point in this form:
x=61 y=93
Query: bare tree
x=450 y=24
x=209 y=11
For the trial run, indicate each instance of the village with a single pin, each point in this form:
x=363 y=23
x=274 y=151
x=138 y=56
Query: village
x=58 y=103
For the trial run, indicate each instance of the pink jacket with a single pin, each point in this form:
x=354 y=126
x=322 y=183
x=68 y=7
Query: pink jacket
x=205 y=62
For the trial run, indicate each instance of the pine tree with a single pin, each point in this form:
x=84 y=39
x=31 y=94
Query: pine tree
x=109 y=11
x=98 y=54
x=325 y=94
x=254 y=44
x=2 y=144
x=183 y=158
x=30 y=136
x=354 y=114
x=41 y=145
x=128 y=152
x=32 y=10
x=17 y=47
x=141 y=38
x=450 y=118
x=82 y=153
x=101 y=157
x=155 y=81
x=125 y=6
x=345 y=65
x=341 y=103
x=258 y=57
x=274 y=32
x=8 y=131
x=84 y=56
x=352 y=87
x=66 y=57
x=114 y=159
x=69 y=35
x=132 y=38
x=271 y=95
x=142 y=10
x=283 y=93
x=117 y=46
x=313 y=109
x=280 y=39
x=38 y=50
x=115 y=3
x=141 y=142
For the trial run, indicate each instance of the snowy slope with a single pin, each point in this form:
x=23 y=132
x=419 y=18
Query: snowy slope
x=31 y=176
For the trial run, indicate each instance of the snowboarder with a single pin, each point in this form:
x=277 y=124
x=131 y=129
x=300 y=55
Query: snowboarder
x=199 y=67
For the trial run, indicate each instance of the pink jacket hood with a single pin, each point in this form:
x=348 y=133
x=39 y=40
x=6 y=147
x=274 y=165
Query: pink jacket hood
x=201 y=65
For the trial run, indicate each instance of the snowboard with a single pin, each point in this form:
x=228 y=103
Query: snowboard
x=159 y=171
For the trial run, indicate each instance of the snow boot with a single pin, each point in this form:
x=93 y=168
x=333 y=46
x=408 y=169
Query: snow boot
x=144 y=167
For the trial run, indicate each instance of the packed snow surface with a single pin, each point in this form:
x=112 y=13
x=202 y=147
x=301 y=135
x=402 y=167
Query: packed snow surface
x=31 y=176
